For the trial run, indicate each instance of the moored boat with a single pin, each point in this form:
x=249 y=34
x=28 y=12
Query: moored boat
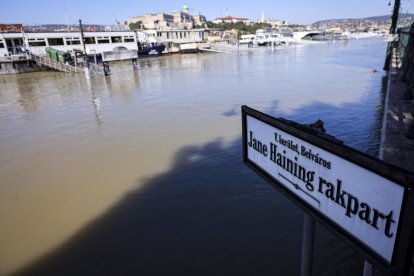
x=149 y=47
x=150 y=50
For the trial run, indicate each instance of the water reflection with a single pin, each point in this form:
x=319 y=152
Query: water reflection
x=123 y=81
x=28 y=96
x=95 y=102
x=160 y=181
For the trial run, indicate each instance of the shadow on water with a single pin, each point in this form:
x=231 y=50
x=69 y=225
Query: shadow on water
x=208 y=215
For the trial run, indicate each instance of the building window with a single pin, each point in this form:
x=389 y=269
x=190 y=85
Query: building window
x=168 y=35
x=181 y=35
x=37 y=43
x=55 y=41
x=89 y=40
x=116 y=39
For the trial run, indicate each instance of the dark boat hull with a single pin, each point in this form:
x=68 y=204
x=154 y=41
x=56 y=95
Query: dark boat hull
x=151 y=51
x=144 y=52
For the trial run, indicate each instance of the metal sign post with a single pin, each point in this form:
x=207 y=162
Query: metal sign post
x=307 y=245
x=364 y=200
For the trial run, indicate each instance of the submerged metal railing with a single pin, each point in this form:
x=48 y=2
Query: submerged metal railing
x=401 y=47
x=405 y=54
x=59 y=66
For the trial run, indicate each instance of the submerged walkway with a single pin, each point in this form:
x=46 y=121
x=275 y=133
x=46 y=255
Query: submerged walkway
x=397 y=137
x=55 y=65
x=397 y=133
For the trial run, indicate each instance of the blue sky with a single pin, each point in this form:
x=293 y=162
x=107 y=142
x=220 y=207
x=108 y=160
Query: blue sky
x=104 y=12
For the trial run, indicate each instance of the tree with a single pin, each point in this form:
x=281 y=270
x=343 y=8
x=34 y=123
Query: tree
x=136 y=25
x=240 y=26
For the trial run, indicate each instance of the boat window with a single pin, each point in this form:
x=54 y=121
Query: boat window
x=128 y=39
x=89 y=40
x=55 y=41
x=72 y=41
x=102 y=40
x=37 y=43
x=116 y=39
x=1 y=44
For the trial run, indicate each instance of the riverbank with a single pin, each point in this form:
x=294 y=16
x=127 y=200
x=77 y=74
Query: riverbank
x=397 y=134
x=396 y=145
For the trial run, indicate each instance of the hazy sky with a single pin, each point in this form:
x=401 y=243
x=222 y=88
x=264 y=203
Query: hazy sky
x=104 y=11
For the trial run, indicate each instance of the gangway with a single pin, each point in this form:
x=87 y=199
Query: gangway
x=55 y=65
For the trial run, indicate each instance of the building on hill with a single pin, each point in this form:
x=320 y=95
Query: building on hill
x=182 y=20
x=161 y=21
x=200 y=20
x=154 y=21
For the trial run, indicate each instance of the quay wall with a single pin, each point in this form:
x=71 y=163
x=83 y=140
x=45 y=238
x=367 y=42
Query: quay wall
x=9 y=67
x=397 y=135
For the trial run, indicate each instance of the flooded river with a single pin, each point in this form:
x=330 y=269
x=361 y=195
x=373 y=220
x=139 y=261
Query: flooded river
x=141 y=173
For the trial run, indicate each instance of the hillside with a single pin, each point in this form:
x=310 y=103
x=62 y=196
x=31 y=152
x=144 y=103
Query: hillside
x=378 y=19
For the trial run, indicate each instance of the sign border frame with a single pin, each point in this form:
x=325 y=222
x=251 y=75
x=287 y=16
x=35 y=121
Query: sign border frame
x=404 y=242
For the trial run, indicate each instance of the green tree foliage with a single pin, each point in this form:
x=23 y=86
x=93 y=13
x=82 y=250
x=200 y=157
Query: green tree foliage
x=240 y=26
x=136 y=26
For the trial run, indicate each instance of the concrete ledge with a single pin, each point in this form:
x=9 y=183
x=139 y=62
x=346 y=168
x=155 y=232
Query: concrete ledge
x=10 y=67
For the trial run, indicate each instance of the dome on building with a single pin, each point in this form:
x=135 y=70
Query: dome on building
x=186 y=8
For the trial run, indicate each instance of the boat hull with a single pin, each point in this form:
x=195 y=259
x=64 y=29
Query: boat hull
x=151 y=51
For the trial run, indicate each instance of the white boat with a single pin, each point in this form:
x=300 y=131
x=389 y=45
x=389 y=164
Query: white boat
x=95 y=42
x=360 y=35
x=274 y=38
x=308 y=37
x=246 y=39
x=261 y=39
